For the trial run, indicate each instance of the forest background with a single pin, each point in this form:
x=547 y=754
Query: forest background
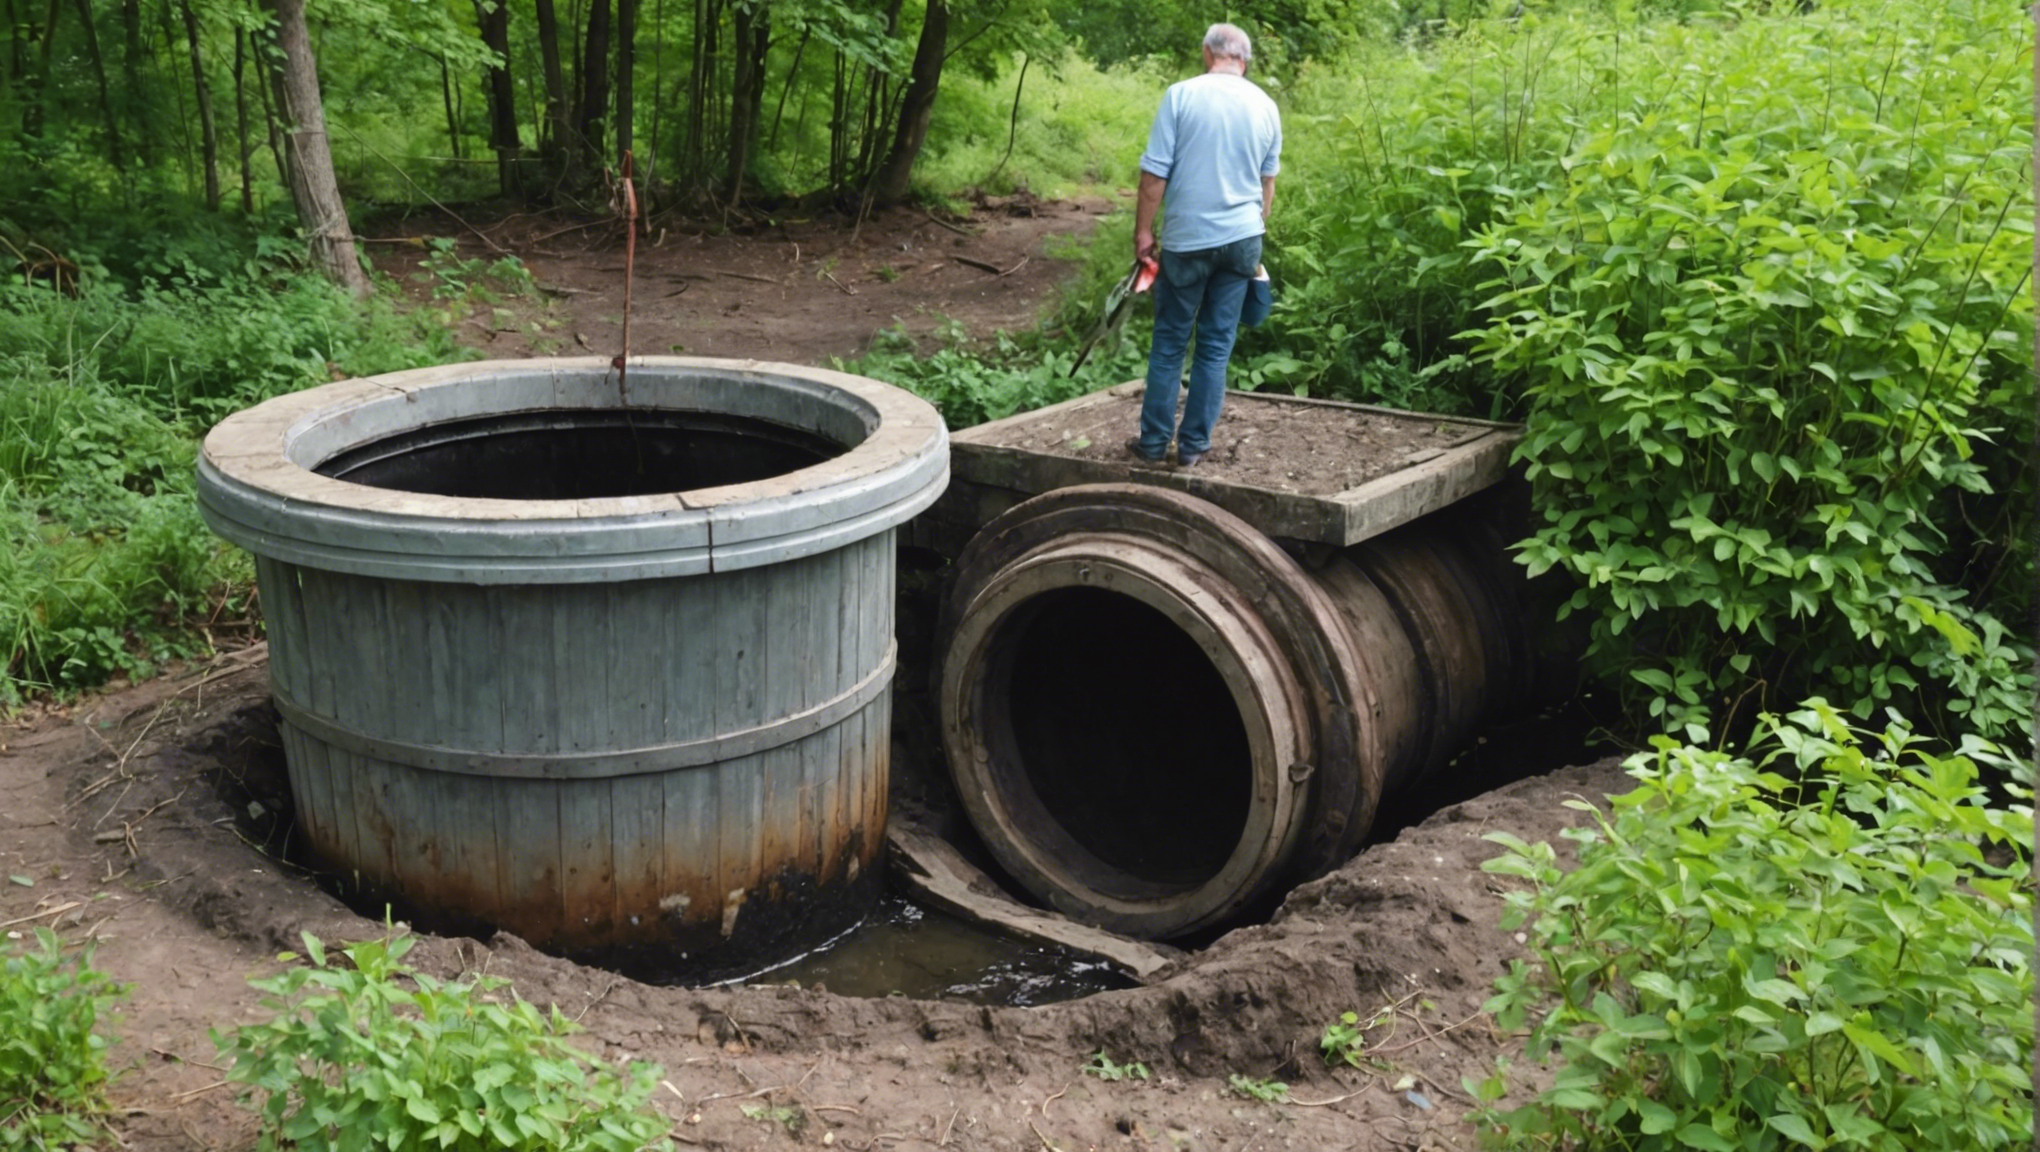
x=1753 y=274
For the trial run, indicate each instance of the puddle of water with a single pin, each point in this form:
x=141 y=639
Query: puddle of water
x=904 y=949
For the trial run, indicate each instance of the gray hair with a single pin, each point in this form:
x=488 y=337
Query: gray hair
x=1227 y=42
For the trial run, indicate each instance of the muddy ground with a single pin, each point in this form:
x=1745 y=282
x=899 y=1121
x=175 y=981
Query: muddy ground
x=144 y=819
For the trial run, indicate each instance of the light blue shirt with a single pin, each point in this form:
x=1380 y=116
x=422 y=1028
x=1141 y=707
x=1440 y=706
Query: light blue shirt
x=1214 y=138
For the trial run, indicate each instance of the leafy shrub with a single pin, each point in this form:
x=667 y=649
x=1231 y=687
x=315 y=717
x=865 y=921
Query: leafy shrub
x=103 y=557
x=52 y=1059
x=1771 y=322
x=354 y=1059
x=971 y=385
x=1837 y=956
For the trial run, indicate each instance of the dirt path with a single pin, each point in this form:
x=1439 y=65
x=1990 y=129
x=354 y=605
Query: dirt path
x=138 y=819
x=796 y=289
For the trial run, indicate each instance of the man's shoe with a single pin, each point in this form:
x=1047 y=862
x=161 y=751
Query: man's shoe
x=1133 y=450
x=1188 y=459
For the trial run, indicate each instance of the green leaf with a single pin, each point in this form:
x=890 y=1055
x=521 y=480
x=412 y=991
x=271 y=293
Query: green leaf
x=1701 y=1136
x=1796 y=1129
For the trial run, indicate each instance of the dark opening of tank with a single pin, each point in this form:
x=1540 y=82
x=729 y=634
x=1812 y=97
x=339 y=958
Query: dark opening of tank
x=580 y=454
x=1126 y=733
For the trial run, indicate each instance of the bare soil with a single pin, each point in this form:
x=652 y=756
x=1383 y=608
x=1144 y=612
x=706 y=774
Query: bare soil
x=792 y=288
x=147 y=819
x=1272 y=443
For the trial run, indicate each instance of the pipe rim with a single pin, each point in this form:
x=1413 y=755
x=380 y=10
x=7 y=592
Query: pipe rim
x=1052 y=864
x=258 y=487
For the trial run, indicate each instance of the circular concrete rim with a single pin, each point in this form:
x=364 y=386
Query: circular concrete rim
x=258 y=487
x=1028 y=842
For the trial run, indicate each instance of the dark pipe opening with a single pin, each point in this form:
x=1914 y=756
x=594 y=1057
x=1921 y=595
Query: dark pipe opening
x=580 y=454
x=1127 y=735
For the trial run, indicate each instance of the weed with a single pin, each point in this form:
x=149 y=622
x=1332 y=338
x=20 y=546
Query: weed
x=1839 y=956
x=788 y=1116
x=1101 y=1066
x=354 y=1057
x=52 y=1057
x=1266 y=1091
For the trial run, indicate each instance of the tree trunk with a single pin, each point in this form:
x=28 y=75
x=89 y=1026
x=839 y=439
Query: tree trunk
x=242 y=149
x=626 y=73
x=209 y=136
x=38 y=84
x=594 y=99
x=502 y=93
x=312 y=185
x=135 y=102
x=747 y=91
x=113 y=148
x=916 y=108
x=554 y=142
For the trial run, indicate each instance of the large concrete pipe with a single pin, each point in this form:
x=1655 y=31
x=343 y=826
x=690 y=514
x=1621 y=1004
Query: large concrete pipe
x=610 y=671
x=1155 y=715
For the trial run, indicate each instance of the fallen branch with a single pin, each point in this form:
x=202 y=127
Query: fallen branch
x=1051 y=1099
x=980 y=264
x=847 y=291
x=749 y=276
x=1017 y=267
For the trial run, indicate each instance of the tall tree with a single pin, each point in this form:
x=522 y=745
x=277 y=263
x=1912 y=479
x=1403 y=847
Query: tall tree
x=917 y=107
x=594 y=97
x=626 y=74
x=494 y=18
x=309 y=155
x=209 y=136
x=752 y=25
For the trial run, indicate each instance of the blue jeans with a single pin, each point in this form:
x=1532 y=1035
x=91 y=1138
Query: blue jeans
x=1203 y=290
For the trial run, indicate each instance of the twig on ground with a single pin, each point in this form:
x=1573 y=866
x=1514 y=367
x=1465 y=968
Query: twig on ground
x=835 y=1108
x=939 y=223
x=1324 y=1103
x=1017 y=267
x=199 y=1091
x=943 y=1140
x=1045 y=1142
x=845 y=289
x=59 y=910
x=599 y=998
x=1424 y=1037
x=979 y=264
x=749 y=276
x=187 y=1060
x=1045 y=1103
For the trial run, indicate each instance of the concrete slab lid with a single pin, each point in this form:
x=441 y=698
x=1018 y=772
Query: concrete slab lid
x=259 y=488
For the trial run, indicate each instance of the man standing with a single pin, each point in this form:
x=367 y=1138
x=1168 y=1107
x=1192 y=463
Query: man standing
x=1210 y=162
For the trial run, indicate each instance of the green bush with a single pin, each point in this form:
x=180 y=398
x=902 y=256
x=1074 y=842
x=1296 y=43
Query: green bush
x=373 y=1055
x=104 y=561
x=1772 y=322
x=1833 y=955
x=52 y=1060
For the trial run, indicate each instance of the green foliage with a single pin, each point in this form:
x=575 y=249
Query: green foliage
x=105 y=565
x=373 y=1055
x=1014 y=374
x=1771 y=324
x=1078 y=127
x=1827 y=948
x=1102 y=1066
x=1266 y=1091
x=1345 y=1040
x=52 y=1060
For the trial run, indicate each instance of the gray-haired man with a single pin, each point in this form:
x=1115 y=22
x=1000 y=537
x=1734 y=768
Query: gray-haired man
x=1209 y=168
